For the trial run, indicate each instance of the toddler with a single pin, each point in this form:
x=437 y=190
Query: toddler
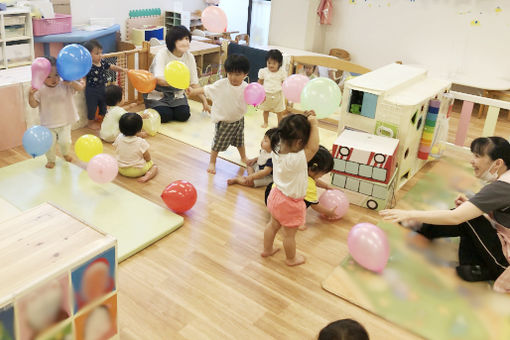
x=272 y=78
x=294 y=143
x=228 y=108
x=320 y=165
x=110 y=126
x=261 y=172
x=310 y=71
x=57 y=110
x=96 y=82
x=345 y=329
x=132 y=151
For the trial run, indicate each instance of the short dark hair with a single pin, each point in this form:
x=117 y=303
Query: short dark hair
x=495 y=147
x=113 y=95
x=269 y=133
x=237 y=63
x=91 y=44
x=130 y=124
x=345 y=329
x=52 y=60
x=322 y=161
x=176 y=33
x=275 y=55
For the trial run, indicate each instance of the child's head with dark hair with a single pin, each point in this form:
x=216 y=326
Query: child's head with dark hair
x=294 y=131
x=266 y=140
x=53 y=78
x=274 y=60
x=113 y=95
x=130 y=124
x=178 y=38
x=237 y=67
x=321 y=163
x=345 y=329
x=95 y=49
x=91 y=44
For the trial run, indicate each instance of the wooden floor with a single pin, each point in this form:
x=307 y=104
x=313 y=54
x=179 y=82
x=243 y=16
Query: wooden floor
x=207 y=279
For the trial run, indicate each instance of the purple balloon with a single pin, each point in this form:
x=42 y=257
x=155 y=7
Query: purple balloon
x=102 y=168
x=335 y=199
x=293 y=86
x=254 y=94
x=41 y=69
x=369 y=246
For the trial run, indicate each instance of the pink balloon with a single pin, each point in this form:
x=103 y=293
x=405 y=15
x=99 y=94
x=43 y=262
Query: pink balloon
x=335 y=199
x=102 y=168
x=369 y=246
x=41 y=69
x=254 y=94
x=293 y=86
x=214 y=19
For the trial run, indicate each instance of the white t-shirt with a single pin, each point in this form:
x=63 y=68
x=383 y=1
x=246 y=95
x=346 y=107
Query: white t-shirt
x=157 y=68
x=290 y=173
x=130 y=151
x=110 y=126
x=228 y=100
x=56 y=105
x=272 y=80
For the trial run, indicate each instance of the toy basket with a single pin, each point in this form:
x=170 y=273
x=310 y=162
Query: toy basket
x=60 y=24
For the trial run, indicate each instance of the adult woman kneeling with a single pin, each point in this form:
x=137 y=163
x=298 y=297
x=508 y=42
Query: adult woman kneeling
x=168 y=101
x=482 y=222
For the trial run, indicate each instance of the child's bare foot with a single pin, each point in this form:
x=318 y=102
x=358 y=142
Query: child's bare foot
x=265 y=125
x=68 y=158
x=50 y=165
x=302 y=227
x=149 y=175
x=93 y=125
x=296 y=261
x=212 y=168
x=269 y=253
x=142 y=134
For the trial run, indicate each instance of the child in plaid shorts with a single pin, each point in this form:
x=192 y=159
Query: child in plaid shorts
x=228 y=108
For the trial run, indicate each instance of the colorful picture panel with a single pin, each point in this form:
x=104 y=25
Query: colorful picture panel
x=43 y=308
x=94 y=279
x=99 y=323
x=7 y=323
x=62 y=332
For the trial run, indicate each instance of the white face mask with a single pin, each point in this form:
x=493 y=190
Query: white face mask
x=489 y=177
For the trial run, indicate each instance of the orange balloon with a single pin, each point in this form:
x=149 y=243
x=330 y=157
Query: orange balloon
x=142 y=80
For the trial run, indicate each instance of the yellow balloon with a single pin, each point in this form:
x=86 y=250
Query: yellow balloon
x=87 y=146
x=177 y=74
x=151 y=124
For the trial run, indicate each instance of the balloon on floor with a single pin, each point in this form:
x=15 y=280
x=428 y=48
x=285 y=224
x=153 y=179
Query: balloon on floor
x=102 y=168
x=152 y=124
x=37 y=140
x=179 y=196
x=87 y=146
x=335 y=199
x=368 y=245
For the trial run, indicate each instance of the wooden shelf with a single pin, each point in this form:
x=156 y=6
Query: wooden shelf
x=18 y=38
x=9 y=48
x=19 y=63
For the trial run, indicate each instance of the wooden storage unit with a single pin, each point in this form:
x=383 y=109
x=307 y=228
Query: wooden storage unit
x=173 y=18
x=58 y=277
x=16 y=38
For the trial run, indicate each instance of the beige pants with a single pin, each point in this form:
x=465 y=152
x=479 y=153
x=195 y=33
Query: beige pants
x=62 y=135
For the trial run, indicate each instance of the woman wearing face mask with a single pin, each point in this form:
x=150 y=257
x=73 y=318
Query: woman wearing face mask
x=171 y=103
x=482 y=222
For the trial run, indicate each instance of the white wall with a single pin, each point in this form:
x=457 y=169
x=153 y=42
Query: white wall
x=82 y=10
x=237 y=14
x=435 y=33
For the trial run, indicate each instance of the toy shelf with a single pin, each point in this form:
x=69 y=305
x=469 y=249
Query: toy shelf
x=16 y=38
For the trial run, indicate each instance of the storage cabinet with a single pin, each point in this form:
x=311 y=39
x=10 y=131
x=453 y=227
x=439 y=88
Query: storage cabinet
x=184 y=18
x=16 y=38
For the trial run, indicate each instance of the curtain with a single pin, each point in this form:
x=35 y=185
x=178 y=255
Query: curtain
x=259 y=28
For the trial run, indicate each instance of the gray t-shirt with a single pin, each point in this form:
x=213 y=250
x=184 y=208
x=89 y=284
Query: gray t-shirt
x=495 y=198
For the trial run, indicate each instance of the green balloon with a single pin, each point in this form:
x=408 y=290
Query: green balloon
x=321 y=95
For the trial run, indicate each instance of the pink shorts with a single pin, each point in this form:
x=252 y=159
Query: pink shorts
x=290 y=212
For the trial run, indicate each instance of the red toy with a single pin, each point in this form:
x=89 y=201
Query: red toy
x=179 y=196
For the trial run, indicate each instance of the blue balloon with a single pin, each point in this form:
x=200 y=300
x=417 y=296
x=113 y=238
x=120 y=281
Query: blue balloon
x=73 y=62
x=37 y=140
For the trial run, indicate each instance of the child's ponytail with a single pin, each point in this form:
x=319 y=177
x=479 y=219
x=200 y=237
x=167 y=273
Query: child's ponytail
x=275 y=140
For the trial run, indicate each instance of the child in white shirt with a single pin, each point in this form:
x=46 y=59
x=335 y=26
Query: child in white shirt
x=260 y=169
x=228 y=108
x=110 y=126
x=272 y=78
x=132 y=152
x=294 y=143
x=57 y=110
